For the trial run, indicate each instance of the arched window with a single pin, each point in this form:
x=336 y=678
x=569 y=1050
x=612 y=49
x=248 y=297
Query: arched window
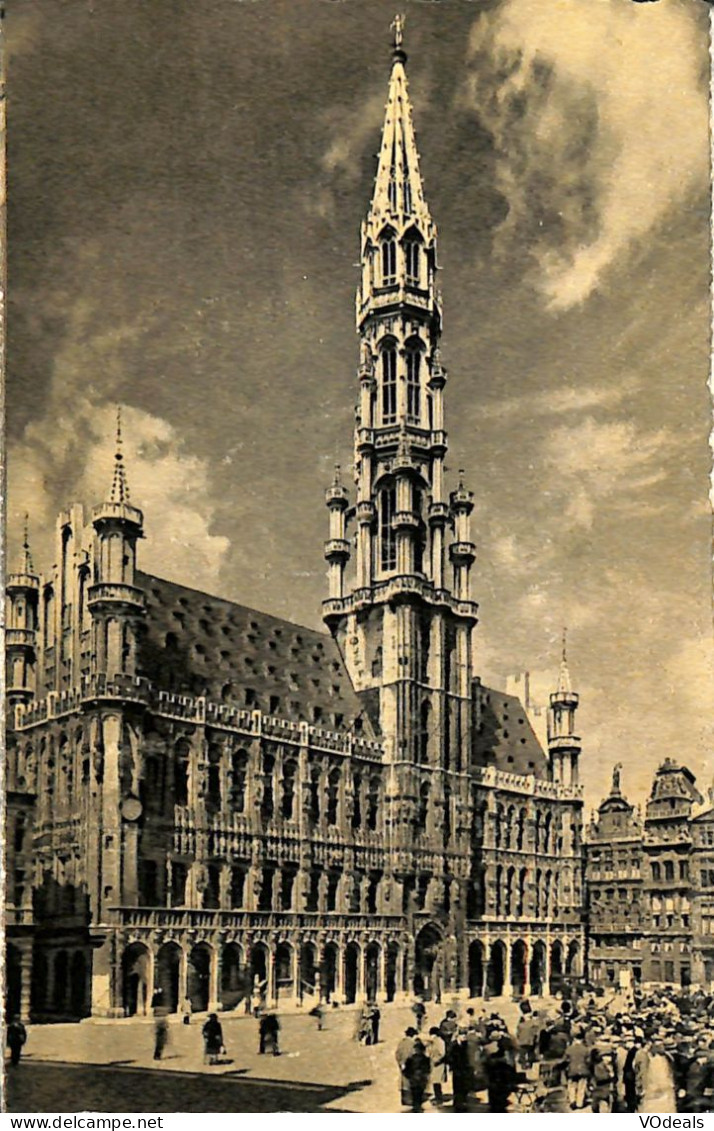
x=521 y=828
x=423 y=806
x=239 y=771
x=546 y=832
x=411 y=261
x=373 y=803
x=509 y=890
x=499 y=889
x=48 y=617
x=521 y=891
x=392 y=189
x=424 y=726
x=387 y=539
x=668 y=870
x=656 y=872
x=447 y=815
x=213 y=779
x=537 y=892
x=267 y=808
x=357 y=801
x=413 y=358
x=333 y=796
x=389 y=262
x=419 y=550
x=500 y=823
x=389 y=385
x=181 y=759
x=287 y=805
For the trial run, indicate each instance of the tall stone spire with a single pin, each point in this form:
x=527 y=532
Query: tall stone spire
x=564 y=684
x=26 y=565
x=398 y=196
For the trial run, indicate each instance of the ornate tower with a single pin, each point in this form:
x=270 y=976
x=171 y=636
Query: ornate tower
x=404 y=621
x=114 y=602
x=564 y=745
x=23 y=592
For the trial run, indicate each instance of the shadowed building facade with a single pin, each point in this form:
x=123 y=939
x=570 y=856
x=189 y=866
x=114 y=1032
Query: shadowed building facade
x=225 y=800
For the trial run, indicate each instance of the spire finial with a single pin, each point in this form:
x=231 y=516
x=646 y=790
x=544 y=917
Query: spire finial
x=120 y=487
x=564 y=677
x=26 y=555
x=337 y=481
x=565 y=645
x=462 y=474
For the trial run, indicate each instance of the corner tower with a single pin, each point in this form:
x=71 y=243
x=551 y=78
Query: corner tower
x=564 y=745
x=23 y=592
x=404 y=618
x=114 y=601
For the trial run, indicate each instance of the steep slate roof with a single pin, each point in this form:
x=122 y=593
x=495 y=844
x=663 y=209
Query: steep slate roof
x=503 y=735
x=196 y=644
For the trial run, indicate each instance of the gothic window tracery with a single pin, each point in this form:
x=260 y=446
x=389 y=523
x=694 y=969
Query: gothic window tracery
x=413 y=364
x=412 y=261
x=287 y=802
x=388 y=543
x=389 y=384
x=239 y=771
x=333 y=796
x=181 y=764
x=389 y=261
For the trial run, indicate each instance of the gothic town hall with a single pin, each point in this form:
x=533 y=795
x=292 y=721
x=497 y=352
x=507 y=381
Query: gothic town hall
x=205 y=799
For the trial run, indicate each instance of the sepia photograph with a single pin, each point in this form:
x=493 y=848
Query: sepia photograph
x=359 y=714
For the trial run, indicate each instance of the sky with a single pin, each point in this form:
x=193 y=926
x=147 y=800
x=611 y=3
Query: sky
x=186 y=184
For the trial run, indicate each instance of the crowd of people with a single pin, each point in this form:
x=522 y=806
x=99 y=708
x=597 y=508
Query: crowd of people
x=615 y=1053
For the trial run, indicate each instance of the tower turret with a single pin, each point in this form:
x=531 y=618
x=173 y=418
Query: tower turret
x=337 y=548
x=23 y=594
x=116 y=604
x=564 y=745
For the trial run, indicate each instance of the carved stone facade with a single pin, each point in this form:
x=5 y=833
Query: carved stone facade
x=650 y=885
x=229 y=804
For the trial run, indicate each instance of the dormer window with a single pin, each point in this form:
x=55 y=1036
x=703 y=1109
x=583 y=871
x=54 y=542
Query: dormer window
x=389 y=262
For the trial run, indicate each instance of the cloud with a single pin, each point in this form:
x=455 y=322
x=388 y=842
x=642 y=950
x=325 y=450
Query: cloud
x=556 y=402
x=171 y=485
x=594 y=461
x=599 y=114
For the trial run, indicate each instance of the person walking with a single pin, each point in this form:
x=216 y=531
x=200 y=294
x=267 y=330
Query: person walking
x=417 y=1069
x=419 y=1011
x=161 y=1033
x=375 y=1018
x=269 y=1031
x=436 y=1051
x=501 y=1076
x=16 y=1040
x=602 y=1081
x=402 y=1053
x=212 y=1034
x=577 y=1057
x=458 y=1059
x=658 y=1093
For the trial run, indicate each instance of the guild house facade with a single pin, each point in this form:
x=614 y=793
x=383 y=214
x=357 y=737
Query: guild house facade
x=207 y=800
x=650 y=885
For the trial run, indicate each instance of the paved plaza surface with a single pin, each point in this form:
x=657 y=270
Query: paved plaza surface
x=109 y=1066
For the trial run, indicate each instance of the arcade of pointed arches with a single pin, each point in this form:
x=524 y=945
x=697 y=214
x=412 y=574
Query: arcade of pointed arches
x=231 y=974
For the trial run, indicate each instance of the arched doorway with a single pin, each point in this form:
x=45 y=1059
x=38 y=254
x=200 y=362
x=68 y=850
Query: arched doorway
x=496 y=968
x=556 y=966
x=476 y=969
x=390 y=988
x=40 y=973
x=284 y=982
x=232 y=976
x=572 y=962
x=78 y=984
x=537 y=968
x=199 y=977
x=13 y=981
x=427 y=955
x=308 y=970
x=61 y=981
x=352 y=956
x=259 y=969
x=166 y=979
x=135 y=979
x=371 y=972
x=328 y=973
x=518 y=968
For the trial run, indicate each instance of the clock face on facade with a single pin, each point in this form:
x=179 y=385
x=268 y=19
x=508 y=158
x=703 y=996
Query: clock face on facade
x=131 y=809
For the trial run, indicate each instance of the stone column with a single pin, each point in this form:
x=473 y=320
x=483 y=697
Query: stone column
x=546 y=969
x=213 y=973
x=25 y=979
x=182 y=978
x=527 y=967
x=507 y=987
x=382 y=981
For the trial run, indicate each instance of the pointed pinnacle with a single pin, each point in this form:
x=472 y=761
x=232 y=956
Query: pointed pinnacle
x=26 y=555
x=120 y=487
